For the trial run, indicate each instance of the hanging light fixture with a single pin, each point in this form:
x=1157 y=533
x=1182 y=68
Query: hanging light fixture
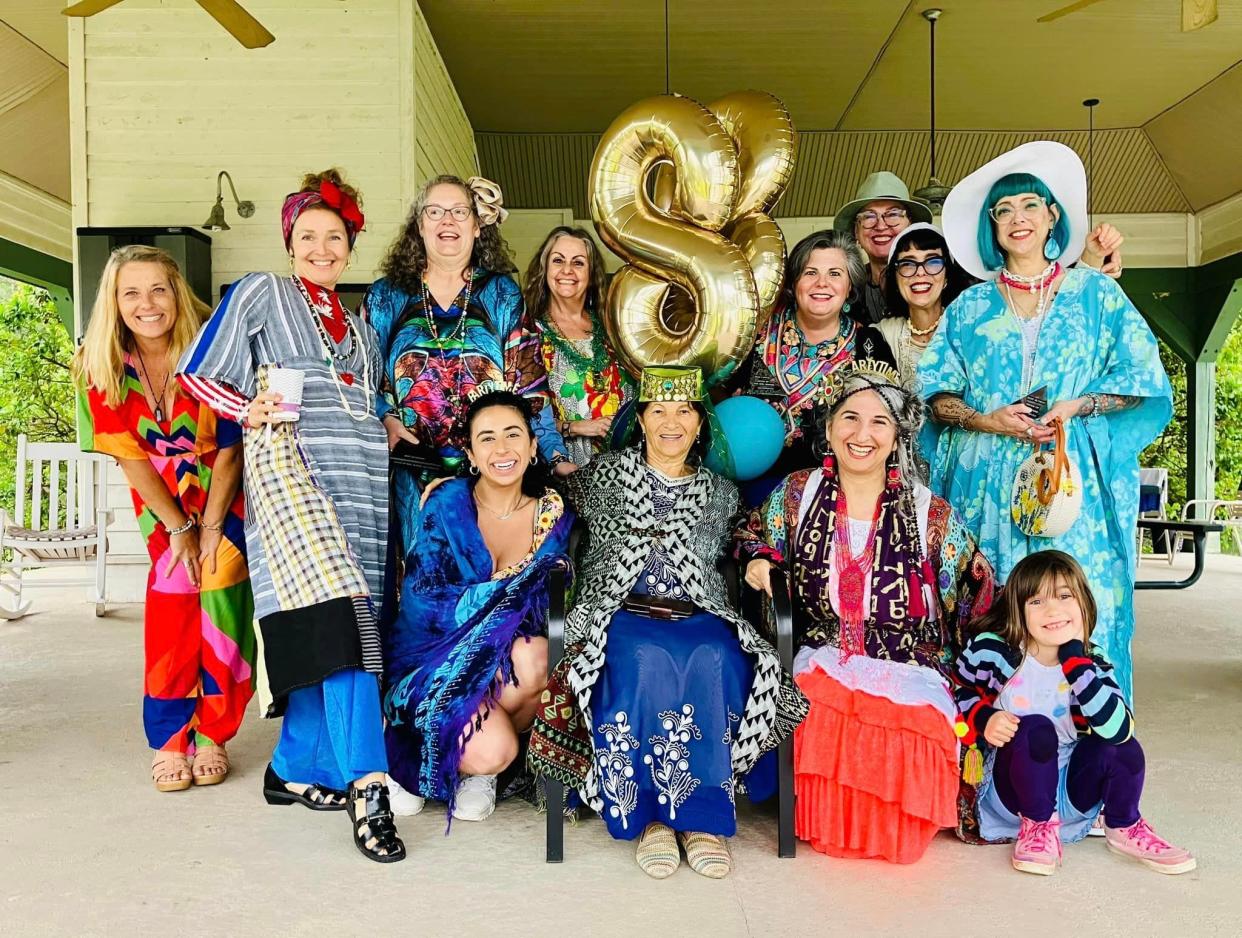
x=215 y=221
x=935 y=192
x=1090 y=104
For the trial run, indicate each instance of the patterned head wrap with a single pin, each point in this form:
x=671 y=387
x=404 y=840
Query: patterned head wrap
x=904 y=406
x=488 y=201
x=329 y=195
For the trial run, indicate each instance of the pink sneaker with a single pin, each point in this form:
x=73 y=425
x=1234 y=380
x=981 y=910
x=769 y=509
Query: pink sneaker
x=1140 y=842
x=1038 y=849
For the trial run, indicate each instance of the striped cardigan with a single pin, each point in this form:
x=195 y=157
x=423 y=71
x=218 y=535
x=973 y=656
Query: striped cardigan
x=1097 y=706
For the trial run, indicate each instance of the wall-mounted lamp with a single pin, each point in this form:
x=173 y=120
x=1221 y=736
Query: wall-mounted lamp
x=215 y=221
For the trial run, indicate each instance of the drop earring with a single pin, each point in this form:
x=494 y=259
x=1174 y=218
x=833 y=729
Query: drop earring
x=1052 y=248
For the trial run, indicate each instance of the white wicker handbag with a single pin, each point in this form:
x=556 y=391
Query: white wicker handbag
x=1047 y=491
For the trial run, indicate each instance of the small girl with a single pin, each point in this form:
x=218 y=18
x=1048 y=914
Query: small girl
x=1060 y=732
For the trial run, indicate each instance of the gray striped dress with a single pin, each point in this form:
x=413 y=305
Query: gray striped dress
x=316 y=490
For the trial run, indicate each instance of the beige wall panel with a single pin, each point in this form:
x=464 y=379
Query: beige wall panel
x=170 y=100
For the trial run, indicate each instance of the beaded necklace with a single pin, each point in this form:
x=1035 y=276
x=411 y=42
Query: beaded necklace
x=331 y=356
x=463 y=311
x=597 y=364
x=852 y=572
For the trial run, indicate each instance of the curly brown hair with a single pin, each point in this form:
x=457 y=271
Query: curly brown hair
x=407 y=258
x=311 y=182
x=535 y=292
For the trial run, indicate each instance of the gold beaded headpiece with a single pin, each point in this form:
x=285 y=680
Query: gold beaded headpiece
x=670 y=383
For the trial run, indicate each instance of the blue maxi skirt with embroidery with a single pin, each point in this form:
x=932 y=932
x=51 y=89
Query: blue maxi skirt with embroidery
x=666 y=707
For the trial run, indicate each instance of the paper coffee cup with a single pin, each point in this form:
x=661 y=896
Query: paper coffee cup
x=287 y=382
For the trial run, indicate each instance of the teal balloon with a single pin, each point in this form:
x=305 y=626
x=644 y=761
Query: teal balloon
x=755 y=434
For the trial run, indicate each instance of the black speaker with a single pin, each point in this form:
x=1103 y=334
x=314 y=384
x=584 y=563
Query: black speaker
x=189 y=247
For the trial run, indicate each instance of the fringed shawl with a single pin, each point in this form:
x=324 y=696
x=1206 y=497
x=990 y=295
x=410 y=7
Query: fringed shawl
x=614 y=498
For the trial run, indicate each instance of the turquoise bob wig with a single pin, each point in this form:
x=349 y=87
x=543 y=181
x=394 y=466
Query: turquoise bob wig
x=1011 y=185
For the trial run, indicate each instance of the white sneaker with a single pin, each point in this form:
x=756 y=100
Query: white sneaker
x=403 y=803
x=476 y=798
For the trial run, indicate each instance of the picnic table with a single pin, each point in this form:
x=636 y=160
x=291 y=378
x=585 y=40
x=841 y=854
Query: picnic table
x=1198 y=532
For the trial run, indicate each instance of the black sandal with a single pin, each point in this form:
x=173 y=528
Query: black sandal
x=375 y=834
x=316 y=797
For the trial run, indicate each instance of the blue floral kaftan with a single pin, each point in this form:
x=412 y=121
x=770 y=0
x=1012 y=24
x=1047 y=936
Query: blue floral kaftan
x=1093 y=340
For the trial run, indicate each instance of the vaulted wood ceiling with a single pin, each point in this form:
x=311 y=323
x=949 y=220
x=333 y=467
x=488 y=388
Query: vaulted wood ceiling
x=541 y=79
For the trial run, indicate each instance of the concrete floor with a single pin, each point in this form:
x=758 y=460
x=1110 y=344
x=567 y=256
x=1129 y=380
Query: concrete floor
x=88 y=847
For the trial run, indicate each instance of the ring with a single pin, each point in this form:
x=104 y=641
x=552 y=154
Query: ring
x=1030 y=431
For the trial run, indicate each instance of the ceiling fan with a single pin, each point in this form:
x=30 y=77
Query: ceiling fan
x=228 y=13
x=1195 y=13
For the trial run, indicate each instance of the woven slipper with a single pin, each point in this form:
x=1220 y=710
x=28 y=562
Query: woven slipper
x=707 y=854
x=167 y=770
x=213 y=758
x=657 y=852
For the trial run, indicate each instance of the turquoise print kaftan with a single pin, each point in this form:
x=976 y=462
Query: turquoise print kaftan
x=1092 y=340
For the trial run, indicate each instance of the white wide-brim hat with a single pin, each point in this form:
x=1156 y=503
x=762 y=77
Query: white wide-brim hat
x=1061 y=171
x=900 y=240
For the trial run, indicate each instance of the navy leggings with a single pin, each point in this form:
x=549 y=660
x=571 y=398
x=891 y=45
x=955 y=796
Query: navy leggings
x=1026 y=774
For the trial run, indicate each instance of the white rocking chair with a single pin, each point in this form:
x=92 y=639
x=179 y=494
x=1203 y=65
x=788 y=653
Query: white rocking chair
x=61 y=519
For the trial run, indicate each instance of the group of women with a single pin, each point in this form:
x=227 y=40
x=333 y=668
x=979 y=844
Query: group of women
x=404 y=513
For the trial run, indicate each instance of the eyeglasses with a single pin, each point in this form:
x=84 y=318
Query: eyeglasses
x=436 y=212
x=931 y=266
x=1003 y=212
x=891 y=218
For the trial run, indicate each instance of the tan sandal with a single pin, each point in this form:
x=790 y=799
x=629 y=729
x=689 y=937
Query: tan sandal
x=657 y=852
x=707 y=854
x=170 y=771
x=214 y=761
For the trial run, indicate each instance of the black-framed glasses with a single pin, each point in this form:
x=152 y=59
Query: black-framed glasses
x=931 y=266
x=892 y=217
x=436 y=212
x=1004 y=212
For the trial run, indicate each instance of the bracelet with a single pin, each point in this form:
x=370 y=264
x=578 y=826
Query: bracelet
x=557 y=459
x=1095 y=404
x=189 y=523
x=961 y=421
x=211 y=527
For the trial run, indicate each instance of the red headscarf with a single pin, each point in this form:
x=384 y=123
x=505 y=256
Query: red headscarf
x=330 y=195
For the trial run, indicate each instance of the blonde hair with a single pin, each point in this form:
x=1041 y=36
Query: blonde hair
x=100 y=361
x=1033 y=575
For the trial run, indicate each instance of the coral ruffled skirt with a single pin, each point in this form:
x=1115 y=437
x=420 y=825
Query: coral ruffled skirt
x=875 y=761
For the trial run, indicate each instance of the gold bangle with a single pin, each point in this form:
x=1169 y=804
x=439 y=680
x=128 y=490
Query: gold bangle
x=211 y=527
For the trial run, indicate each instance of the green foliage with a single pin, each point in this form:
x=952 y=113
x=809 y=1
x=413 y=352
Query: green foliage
x=36 y=395
x=1169 y=449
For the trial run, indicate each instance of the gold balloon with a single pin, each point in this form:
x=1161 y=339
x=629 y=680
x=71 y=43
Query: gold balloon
x=681 y=192
x=767 y=146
